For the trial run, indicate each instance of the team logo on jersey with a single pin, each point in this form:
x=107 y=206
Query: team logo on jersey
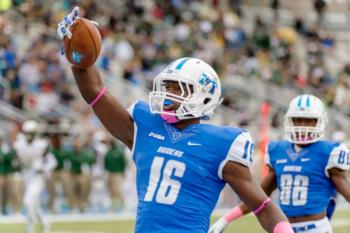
x=177 y=135
x=295 y=155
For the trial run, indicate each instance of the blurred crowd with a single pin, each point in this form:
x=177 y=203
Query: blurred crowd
x=88 y=175
x=140 y=37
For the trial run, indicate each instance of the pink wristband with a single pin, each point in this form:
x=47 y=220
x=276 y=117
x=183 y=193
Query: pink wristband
x=283 y=227
x=235 y=213
x=262 y=206
x=98 y=97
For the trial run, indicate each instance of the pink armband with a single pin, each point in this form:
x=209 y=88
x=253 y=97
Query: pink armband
x=98 y=97
x=235 y=213
x=262 y=206
x=283 y=227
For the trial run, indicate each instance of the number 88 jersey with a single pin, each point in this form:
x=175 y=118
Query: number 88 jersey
x=302 y=174
x=179 y=172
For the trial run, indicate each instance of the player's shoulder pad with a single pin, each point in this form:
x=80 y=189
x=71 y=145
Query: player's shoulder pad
x=273 y=150
x=223 y=132
x=276 y=144
x=339 y=157
x=139 y=109
x=327 y=144
x=238 y=148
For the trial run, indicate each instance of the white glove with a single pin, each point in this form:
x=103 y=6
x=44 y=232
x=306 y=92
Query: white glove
x=63 y=26
x=219 y=226
x=67 y=22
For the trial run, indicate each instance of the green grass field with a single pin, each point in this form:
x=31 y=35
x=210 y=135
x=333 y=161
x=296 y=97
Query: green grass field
x=341 y=224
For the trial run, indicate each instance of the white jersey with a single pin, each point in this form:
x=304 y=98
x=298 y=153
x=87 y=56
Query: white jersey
x=28 y=153
x=43 y=166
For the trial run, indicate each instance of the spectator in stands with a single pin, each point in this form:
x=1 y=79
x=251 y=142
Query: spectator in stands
x=275 y=5
x=115 y=163
x=342 y=91
x=320 y=7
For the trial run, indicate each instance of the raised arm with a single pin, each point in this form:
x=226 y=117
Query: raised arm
x=253 y=196
x=111 y=113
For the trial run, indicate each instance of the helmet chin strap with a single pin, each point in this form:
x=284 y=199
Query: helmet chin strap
x=169 y=118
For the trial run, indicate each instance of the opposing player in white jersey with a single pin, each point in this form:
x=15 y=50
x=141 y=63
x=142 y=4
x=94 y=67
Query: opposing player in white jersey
x=37 y=166
x=306 y=170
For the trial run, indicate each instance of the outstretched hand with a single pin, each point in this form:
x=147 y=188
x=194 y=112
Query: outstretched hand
x=66 y=23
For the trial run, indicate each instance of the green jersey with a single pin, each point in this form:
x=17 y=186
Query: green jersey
x=61 y=156
x=82 y=159
x=115 y=160
x=3 y=158
x=12 y=163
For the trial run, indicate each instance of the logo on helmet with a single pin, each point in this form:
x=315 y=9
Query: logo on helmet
x=208 y=84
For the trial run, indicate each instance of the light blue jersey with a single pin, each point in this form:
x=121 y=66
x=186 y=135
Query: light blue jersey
x=302 y=176
x=179 y=172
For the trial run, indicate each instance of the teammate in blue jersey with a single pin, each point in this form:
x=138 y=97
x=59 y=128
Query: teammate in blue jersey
x=307 y=170
x=182 y=164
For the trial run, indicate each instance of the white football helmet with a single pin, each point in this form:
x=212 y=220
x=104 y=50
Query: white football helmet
x=310 y=107
x=195 y=77
x=30 y=126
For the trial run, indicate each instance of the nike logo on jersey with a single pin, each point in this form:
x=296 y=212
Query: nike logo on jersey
x=193 y=144
x=305 y=159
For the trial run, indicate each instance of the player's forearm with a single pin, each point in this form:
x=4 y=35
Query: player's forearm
x=341 y=182
x=88 y=81
x=343 y=187
x=268 y=185
x=271 y=218
x=236 y=213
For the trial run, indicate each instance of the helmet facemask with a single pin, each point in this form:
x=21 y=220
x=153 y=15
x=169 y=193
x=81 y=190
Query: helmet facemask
x=304 y=134
x=191 y=100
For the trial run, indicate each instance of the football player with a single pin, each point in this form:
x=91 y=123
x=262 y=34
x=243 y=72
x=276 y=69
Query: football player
x=38 y=164
x=307 y=170
x=182 y=164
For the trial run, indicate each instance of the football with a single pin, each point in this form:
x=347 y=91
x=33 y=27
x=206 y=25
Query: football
x=84 y=47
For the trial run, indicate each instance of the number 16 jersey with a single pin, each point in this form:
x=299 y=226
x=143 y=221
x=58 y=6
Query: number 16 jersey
x=179 y=172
